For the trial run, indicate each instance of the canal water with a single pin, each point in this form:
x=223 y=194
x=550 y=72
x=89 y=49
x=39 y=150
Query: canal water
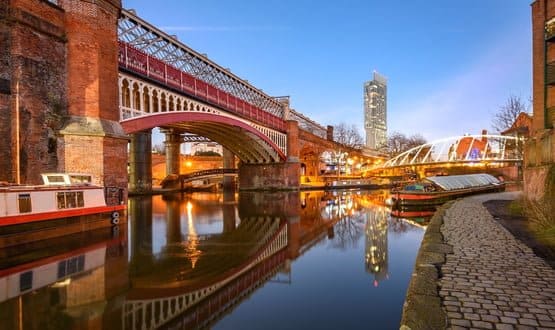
x=285 y=260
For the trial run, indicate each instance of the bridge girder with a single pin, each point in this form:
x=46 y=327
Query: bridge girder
x=244 y=141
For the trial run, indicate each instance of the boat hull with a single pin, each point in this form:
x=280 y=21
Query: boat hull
x=22 y=229
x=404 y=198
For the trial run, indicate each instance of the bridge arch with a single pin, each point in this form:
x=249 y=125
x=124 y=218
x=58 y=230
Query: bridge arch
x=145 y=106
x=461 y=149
x=247 y=143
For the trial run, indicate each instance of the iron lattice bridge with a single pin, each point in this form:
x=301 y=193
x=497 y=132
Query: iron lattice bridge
x=204 y=174
x=150 y=52
x=493 y=150
x=199 y=175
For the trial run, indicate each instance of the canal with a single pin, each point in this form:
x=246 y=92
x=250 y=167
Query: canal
x=284 y=260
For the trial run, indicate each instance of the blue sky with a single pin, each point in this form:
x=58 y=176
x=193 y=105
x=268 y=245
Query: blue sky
x=449 y=64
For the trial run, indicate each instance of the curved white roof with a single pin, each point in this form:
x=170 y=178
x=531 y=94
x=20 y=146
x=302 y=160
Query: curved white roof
x=452 y=182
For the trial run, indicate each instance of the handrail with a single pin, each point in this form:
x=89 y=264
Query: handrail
x=139 y=62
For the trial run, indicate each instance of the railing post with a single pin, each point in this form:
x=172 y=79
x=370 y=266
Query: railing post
x=147 y=66
x=126 y=56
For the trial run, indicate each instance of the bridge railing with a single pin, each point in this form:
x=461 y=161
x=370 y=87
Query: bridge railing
x=308 y=124
x=460 y=149
x=138 y=62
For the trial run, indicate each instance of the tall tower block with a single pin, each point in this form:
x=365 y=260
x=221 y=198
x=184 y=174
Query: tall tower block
x=375 y=111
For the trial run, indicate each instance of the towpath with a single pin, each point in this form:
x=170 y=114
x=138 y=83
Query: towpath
x=484 y=277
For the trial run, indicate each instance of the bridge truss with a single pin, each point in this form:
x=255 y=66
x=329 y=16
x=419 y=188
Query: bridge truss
x=468 y=149
x=173 y=56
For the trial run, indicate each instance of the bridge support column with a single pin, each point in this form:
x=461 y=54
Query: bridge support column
x=140 y=162
x=172 y=144
x=275 y=176
x=173 y=215
x=228 y=210
x=140 y=217
x=229 y=162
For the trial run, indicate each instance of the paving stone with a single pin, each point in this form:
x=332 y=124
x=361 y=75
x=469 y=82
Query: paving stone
x=482 y=325
x=544 y=323
x=490 y=318
x=488 y=278
x=531 y=322
x=544 y=317
x=462 y=323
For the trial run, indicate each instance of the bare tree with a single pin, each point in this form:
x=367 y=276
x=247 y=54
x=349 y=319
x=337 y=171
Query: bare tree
x=159 y=149
x=507 y=113
x=348 y=136
x=399 y=142
x=415 y=140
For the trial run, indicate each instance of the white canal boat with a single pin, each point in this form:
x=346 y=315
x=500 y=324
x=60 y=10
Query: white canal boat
x=64 y=204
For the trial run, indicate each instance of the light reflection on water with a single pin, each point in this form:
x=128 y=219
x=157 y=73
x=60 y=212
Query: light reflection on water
x=287 y=260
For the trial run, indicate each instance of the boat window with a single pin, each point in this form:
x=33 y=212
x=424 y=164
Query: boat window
x=80 y=201
x=26 y=281
x=70 y=199
x=56 y=179
x=80 y=178
x=24 y=203
x=71 y=266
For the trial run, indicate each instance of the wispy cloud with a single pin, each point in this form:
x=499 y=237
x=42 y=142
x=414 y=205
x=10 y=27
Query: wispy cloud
x=465 y=102
x=224 y=28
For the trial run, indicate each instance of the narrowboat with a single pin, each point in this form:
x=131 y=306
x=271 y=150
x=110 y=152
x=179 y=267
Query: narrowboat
x=64 y=204
x=436 y=190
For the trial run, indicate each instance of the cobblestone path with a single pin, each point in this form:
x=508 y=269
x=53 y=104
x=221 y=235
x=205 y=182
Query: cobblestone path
x=492 y=280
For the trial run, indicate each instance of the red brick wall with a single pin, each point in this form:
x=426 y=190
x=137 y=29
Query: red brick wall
x=92 y=58
x=65 y=60
x=540 y=149
x=538 y=60
x=34 y=55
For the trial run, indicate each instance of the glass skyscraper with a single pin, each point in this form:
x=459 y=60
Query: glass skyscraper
x=375 y=111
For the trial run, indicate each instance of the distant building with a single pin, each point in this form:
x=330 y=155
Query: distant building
x=521 y=127
x=470 y=147
x=204 y=147
x=375 y=111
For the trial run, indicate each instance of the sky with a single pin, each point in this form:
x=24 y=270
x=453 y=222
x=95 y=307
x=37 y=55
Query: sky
x=450 y=64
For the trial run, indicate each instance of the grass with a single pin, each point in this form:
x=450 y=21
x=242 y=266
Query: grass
x=541 y=219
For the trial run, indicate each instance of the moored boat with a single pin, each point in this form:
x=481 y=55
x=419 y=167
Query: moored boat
x=436 y=190
x=64 y=204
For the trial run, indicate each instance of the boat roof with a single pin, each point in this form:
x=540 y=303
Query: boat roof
x=452 y=182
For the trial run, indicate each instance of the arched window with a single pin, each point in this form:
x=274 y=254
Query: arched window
x=125 y=97
x=164 y=102
x=171 y=104
x=146 y=100
x=155 y=101
x=136 y=97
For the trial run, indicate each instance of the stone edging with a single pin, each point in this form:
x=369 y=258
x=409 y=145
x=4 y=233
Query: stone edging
x=422 y=308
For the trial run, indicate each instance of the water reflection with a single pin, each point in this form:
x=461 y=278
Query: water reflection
x=65 y=283
x=376 y=244
x=195 y=260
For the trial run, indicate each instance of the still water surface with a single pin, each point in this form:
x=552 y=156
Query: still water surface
x=308 y=260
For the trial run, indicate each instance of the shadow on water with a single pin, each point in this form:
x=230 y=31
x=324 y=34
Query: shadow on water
x=227 y=261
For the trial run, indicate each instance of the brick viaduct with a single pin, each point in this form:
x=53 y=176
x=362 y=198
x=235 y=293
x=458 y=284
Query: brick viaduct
x=59 y=95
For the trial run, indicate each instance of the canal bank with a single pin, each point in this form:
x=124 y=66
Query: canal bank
x=471 y=272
